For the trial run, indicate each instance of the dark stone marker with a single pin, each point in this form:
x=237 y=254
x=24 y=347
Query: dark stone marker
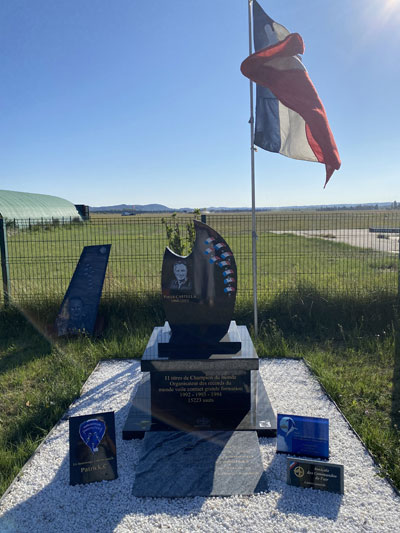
x=199 y=293
x=209 y=463
x=78 y=310
x=92 y=449
x=315 y=475
x=201 y=404
x=303 y=435
x=223 y=392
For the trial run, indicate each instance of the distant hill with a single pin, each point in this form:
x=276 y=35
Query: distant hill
x=159 y=208
x=129 y=208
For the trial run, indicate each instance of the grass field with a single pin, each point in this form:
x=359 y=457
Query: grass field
x=288 y=220
x=42 y=259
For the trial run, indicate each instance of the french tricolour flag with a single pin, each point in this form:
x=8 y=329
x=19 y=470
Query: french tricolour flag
x=290 y=117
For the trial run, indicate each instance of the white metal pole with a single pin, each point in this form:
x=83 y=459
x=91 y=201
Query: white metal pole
x=253 y=183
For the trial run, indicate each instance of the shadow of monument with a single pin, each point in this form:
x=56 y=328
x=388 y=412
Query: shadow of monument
x=17 y=354
x=177 y=464
x=300 y=501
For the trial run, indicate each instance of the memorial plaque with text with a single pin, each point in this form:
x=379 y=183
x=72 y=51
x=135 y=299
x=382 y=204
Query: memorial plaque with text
x=195 y=395
x=315 y=475
x=92 y=449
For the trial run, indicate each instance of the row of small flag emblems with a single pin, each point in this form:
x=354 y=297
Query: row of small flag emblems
x=222 y=261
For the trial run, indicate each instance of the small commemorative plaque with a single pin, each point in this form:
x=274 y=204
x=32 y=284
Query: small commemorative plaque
x=303 y=435
x=92 y=450
x=315 y=475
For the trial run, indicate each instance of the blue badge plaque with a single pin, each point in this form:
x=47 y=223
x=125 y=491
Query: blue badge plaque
x=92 y=448
x=303 y=435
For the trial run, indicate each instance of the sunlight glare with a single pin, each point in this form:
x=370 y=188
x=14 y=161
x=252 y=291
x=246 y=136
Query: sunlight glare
x=391 y=8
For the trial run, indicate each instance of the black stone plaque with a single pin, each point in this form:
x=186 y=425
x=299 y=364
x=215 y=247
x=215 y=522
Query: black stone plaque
x=315 y=475
x=198 y=399
x=199 y=293
x=209 y=463
x=92 y=449
x=78 y=310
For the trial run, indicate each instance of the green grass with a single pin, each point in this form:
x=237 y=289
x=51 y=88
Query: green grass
x=349 y=342
x=42 y=259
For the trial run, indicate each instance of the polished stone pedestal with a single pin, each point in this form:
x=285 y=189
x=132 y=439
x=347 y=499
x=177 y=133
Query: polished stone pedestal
x=222 y=392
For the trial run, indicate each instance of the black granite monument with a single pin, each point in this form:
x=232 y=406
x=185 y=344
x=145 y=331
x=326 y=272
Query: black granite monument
x=200 y=377
x=199 y=293
x=78 y=310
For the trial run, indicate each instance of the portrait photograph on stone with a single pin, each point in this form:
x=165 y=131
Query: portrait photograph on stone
x=78 y=310
x=197 y=334
x=198 y=296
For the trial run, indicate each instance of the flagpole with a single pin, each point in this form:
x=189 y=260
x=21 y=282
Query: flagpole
x=253 y=185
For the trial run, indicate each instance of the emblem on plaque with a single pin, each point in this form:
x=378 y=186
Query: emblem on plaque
x=287 y=425
x=299 y=471
x=92 y=432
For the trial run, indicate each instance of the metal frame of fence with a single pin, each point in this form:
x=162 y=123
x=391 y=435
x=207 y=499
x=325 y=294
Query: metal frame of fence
x=332 y=252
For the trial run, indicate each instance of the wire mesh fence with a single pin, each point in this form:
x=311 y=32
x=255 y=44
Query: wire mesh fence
x=333 y=252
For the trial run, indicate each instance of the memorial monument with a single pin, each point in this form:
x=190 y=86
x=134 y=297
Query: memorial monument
x=78 y=311
x=201 y=403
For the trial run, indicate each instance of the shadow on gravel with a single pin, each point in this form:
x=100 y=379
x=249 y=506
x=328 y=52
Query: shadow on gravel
x=318 y=504
x=306 y=502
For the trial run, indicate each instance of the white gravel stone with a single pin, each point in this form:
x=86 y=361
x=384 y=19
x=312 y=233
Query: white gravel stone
x=41 y=500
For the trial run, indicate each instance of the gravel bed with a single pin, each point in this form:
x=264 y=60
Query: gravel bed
x=42 y=500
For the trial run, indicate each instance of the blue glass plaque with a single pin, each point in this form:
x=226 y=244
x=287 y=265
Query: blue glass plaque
x=303 y=435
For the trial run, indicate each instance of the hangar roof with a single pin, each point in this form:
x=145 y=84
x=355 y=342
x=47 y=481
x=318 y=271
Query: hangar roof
x=25 y=205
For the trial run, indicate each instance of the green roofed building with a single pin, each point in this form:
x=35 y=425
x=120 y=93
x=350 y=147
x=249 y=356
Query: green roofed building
x=35 y=207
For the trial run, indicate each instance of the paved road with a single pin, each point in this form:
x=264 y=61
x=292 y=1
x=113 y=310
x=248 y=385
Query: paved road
x=356 y=237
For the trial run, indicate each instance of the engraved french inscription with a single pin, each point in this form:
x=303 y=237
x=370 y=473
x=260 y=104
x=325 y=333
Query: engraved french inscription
x=200 y=388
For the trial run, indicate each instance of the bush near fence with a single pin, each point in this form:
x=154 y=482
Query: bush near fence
x=333 y=252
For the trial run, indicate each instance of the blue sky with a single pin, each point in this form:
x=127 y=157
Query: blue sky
x=128 y=101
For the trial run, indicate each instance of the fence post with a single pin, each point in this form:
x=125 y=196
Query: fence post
x=4 y=261
x=204 y=219
x=398 y=276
